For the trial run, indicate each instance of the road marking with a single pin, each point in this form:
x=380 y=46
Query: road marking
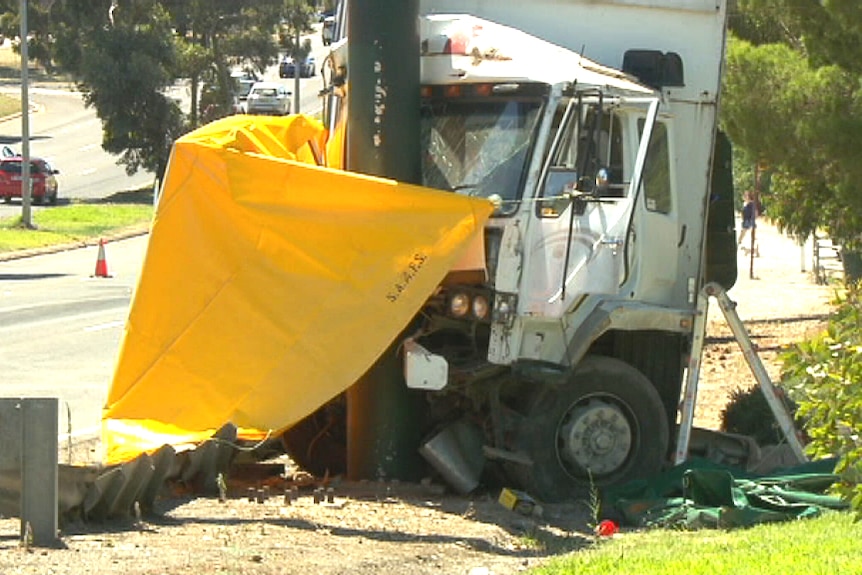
x=88 y=147
x=88 y=171
x=104 y=326
x=81 y=432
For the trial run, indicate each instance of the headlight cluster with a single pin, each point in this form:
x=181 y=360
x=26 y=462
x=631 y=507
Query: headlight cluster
x=468 y=304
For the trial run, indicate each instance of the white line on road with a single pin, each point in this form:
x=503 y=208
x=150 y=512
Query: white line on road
x=104 y=326
x=87 y=172
x=88 y=147
x=94 y=431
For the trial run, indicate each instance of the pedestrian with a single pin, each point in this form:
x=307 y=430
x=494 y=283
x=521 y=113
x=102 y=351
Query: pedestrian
x=749 y=222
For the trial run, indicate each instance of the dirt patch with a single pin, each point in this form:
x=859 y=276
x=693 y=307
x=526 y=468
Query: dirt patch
x=778 y=301
x=393 y=528
x=366 y=529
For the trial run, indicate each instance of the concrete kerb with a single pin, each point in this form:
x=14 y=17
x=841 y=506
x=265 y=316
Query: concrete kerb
x=113 y=237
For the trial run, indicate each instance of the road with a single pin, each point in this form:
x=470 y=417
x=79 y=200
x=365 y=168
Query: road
x=69 y=135
x=61 y=327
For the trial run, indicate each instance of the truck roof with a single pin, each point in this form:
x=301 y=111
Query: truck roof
x=471 y=49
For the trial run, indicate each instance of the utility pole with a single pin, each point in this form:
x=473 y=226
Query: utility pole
x=26 y=216
x=297 y=72
x=383 y=415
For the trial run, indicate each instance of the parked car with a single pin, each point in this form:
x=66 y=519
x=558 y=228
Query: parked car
x=287 y=68
x=243 y=81
x=328 y=30
x=268 y=98
x=42 y=175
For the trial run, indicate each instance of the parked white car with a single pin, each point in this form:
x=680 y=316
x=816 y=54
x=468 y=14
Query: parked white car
x=270 y=98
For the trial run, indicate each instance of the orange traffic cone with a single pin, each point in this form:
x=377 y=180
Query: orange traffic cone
x=101 y=264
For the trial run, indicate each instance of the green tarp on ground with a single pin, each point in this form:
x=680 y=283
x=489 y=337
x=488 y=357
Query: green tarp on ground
x=699 y=493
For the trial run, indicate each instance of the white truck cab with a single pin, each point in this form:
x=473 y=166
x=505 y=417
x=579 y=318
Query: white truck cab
x=559 y=352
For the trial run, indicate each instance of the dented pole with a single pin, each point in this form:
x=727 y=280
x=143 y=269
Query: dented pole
x=383 y=140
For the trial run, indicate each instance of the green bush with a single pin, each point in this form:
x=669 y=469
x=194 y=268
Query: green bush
x=824 y=377
x=748 y=413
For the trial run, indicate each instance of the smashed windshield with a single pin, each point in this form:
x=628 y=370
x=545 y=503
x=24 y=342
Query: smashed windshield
x=479 y=148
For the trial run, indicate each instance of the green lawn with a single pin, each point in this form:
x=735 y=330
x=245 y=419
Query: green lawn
x=827 y=545
x=9 y=106
x=72 y=223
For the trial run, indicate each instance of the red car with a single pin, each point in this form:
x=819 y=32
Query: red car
x=41 y=174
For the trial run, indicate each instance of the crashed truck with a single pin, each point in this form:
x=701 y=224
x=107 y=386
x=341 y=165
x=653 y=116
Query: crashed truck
x=592 y=129
x=555 y=345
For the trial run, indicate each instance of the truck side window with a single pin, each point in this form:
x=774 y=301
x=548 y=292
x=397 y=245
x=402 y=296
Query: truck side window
x=609 y=155
x=562 y=172
x=577 y=151
x=597 y=145
x=656 y=177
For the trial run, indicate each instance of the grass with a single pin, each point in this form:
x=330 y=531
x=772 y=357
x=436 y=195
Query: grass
x=9 y=106
x=72 y=223
x=827 y=545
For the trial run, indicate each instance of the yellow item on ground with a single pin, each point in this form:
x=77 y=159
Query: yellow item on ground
x=270 y=284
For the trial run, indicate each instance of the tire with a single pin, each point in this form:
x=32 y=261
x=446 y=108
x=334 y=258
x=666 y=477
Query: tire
x=606 y=425
x=318 y=443
x=53 y=199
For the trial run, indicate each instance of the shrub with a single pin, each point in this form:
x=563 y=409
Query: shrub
x=748 y=413
x=824 y=376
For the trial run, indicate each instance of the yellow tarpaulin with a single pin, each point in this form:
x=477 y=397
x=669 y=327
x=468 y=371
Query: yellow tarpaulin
x=270 y=285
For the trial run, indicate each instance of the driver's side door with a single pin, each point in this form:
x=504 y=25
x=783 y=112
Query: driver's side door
x=576 y=244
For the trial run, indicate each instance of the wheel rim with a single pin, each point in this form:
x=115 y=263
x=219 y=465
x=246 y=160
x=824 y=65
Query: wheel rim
x=595 y=438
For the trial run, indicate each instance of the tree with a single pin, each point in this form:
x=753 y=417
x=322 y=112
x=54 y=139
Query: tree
x=792 y=99
x=125 y=54
x=216 y=35
x=296 y=21
x=40 y=46
x=123 y=74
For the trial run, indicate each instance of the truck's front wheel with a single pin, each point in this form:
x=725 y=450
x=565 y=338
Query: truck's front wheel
x=605 y=425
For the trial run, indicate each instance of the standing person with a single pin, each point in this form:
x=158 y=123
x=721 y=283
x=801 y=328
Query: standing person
x=749 y=222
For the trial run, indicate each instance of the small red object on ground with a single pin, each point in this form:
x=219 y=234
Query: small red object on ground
x=607 y=528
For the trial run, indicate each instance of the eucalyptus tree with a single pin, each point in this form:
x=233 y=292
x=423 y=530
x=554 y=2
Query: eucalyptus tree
x=792 y=101
x=124 y=56
x=215 y=36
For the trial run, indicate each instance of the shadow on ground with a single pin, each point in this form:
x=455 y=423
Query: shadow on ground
x=11 y=76
x=140 y=196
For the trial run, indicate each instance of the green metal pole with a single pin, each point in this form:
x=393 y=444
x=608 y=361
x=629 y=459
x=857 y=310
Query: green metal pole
x=383 y=416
